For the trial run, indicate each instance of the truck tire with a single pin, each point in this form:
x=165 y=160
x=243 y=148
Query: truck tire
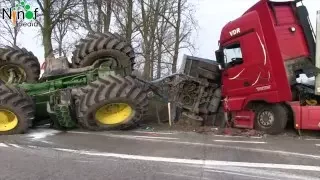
x=102 y=48
x=271 y=118
x=22 y=62
x=16 y=111
x=114 y=102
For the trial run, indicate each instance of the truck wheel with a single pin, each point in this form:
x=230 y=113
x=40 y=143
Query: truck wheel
x=16 y=111
x=271 y=118
x=99 y=48
x=112 y=102
x=20 y=63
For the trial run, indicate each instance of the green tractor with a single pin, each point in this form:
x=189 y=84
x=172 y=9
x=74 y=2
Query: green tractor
x=96 y=90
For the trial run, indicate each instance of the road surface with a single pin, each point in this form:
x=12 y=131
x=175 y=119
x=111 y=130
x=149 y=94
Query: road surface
x=139 y=155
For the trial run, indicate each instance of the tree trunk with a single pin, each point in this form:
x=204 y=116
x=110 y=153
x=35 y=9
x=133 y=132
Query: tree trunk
x=47 y=30
x=107 y=17
x=86 y=16
x=60 y=48
x=159 y=58
x=99 y=5
x=177 y=38
x=129 y=21
x=147 y=65
x=15 y=29
x=145 y=45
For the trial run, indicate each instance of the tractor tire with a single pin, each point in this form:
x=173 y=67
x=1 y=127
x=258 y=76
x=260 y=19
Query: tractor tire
x=271 y=118
x=16 y=111
x=106 y=35
x=105 y=48
x=112 y=103
x=29 y=98
x=22 y=62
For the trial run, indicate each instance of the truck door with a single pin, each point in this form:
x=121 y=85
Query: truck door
x=233 y=75
x=246 y=66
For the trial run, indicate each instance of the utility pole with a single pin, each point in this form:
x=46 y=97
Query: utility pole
x=317 y=84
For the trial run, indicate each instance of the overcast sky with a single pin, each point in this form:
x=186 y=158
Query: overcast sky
x=211 y=15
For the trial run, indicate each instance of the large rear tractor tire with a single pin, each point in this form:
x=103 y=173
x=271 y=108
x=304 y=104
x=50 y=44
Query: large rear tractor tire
x=112 y=103
x=19 y=64
x=271 y=118
x=16 y=111
x=98 y=48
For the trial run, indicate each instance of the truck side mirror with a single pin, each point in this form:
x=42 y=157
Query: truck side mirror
x=220 y=58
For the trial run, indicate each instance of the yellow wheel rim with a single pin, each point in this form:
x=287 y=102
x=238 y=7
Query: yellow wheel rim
x=8 y=70
x=8 y=120
x=114 y=113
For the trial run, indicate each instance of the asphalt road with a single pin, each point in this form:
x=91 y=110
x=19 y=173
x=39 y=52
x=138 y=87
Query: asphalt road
x=49 y=154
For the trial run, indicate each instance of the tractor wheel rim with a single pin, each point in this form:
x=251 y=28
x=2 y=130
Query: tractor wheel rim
x=8 y=69
x=266 y=119
x=114 y=113
x=111 y=64
x=8 y=120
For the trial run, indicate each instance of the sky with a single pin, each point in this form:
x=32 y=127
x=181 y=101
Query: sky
x=211 y=15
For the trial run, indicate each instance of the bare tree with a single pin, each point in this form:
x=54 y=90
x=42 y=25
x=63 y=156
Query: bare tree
x=147 y=27
x=174 y=24
x=59 y=33
x=95 y=15
x=8 y=32
x=183 y=23
x=53 y=11
x=123 y=13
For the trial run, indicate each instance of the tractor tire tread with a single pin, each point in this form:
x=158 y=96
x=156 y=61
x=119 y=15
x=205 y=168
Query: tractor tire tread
x=24 y=59
x=111 y=88
x=17 y=101
x=99 y=42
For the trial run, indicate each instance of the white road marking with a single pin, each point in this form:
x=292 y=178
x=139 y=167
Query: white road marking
x=41 y=134
x=284 y=153
x=3 y=145
x=126 y=136
x=318 y=145
x=239 y=174
x=228 y=136
x=245 y=142
x=161 y=133
x=256 y=137
x=267 y=173
x=155 y=137
x=312 y=139
x=192 y=161
x=15 y=145
x=182 y=175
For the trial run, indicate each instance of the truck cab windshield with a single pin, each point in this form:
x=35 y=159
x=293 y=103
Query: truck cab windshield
x=233 y=55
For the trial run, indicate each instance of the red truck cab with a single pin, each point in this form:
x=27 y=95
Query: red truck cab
x=262 y=53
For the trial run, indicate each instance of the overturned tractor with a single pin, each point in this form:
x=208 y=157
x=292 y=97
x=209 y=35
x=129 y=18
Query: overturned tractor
x=96 y=90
